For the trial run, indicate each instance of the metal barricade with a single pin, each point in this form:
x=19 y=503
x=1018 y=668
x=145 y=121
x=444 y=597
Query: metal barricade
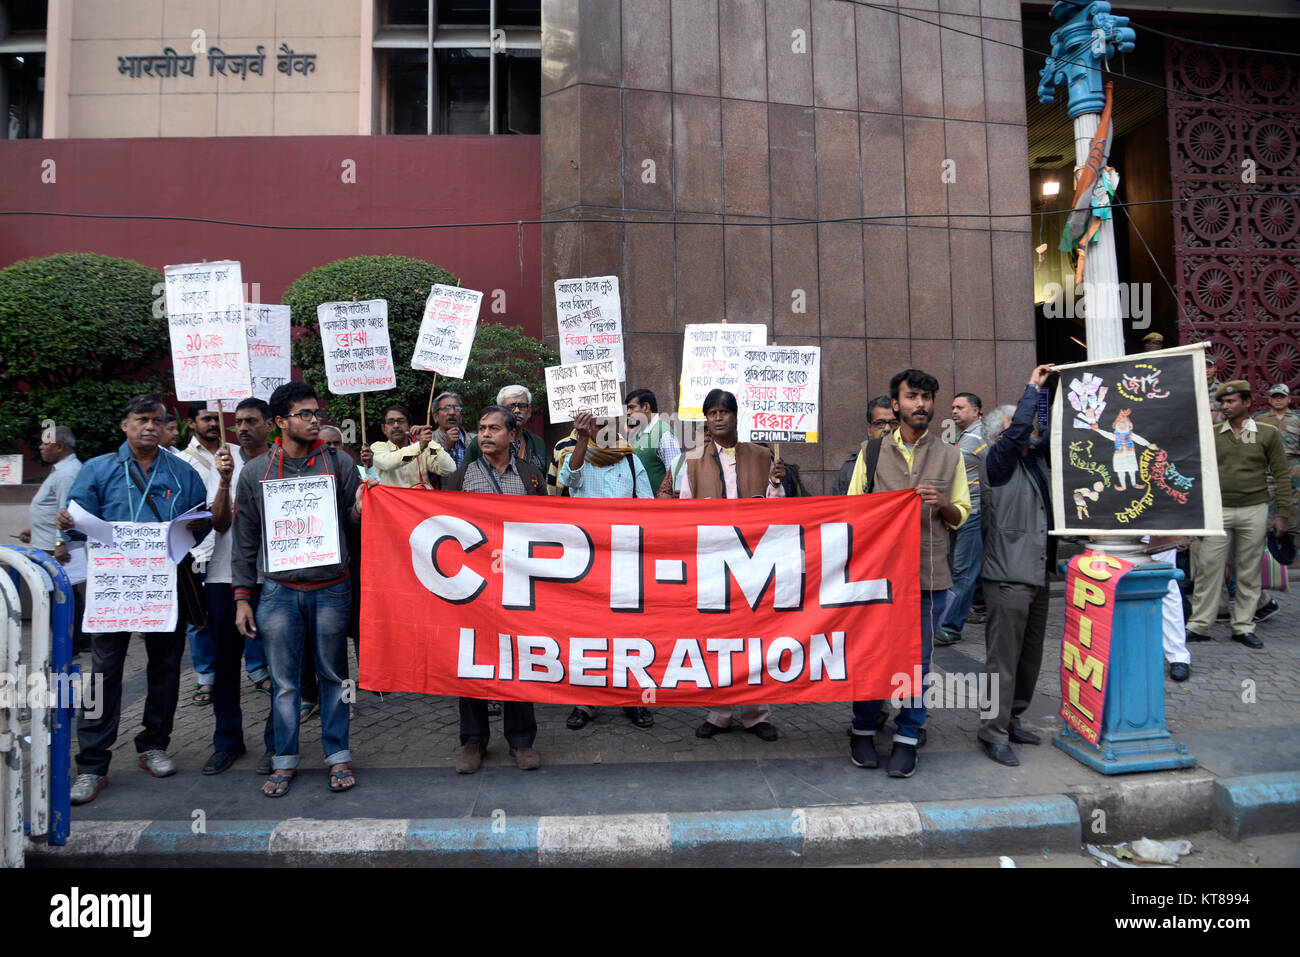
x=11 y=752
x=51 y=658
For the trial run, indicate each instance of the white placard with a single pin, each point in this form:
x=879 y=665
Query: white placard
x=205 y=318
x=301 y=523
x=354 y=336
x=447 y=330
x=780 y=394
x=711 y=360
x=130 y=583
x=11 y=470
x=590 y=320
x=269 y=360
x=583 y=387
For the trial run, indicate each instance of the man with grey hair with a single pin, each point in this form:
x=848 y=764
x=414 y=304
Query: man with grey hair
x=447 y=408
x=58 y=449
x=528 y=445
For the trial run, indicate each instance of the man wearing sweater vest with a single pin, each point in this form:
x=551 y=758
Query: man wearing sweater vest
x=913 y=457
x=725 y=467
x=1247 y=450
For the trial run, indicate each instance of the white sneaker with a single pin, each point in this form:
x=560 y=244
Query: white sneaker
x=157 y=763
x=87 y=786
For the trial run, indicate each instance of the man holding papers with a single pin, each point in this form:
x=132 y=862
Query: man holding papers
x=137 y=483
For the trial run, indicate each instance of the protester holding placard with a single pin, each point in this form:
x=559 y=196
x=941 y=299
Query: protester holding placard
x=591 y=471
x=202 y=453
x=526 y=445
x=725 y=467
x=136 y=483
x=405 y=462
x=447 y=409
x=1018 y=556
x=306 y=597
x=912 y=457
x=499 y=472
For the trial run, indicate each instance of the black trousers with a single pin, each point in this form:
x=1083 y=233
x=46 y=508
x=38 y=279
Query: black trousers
x=1017 y=625
x=97 y=735
x=520 y=723
x=228 y=655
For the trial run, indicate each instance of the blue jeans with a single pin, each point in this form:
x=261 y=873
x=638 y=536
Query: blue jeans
x=911 y=718
x=203 y=654
x=255 y=661
x=967 y=560
x=293 y=622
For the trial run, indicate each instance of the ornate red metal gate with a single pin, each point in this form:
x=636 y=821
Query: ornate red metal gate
x=1237 y=259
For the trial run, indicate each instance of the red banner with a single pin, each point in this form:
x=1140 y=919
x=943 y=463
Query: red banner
x=1090 y=589
x=622 y=602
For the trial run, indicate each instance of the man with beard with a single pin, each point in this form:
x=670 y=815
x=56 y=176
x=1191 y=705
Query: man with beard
x=912 y=457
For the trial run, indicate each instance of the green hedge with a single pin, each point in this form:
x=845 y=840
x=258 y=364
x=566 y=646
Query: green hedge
x=501 y=354
x=79 y=335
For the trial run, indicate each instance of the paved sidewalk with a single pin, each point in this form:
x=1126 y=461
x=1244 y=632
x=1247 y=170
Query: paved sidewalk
x=1238 y=715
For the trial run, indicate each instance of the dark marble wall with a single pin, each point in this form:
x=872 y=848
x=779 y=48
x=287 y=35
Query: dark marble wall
x=750 y=126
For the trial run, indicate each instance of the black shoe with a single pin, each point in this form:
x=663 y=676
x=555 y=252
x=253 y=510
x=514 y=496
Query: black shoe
x=920 y=739
x=222 y=760
x=764 y=730
x=1249 y=640
x=267 y=764
x=1180 y=671
x=1001 y=753
x=1021 y=736
x=1223 y=617
x=862 y=751
x=902 y=762
x=1267 y=610
x=707 y=730
x=1193 y=636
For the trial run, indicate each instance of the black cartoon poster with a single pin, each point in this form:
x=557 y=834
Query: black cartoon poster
x=1132 y=447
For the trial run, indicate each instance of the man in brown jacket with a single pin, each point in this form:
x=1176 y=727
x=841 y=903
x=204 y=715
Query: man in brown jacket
x=724 y=467
x=913 y=457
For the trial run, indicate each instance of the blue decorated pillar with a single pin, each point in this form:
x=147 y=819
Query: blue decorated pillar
x=1089 y=36
x=1133 y=734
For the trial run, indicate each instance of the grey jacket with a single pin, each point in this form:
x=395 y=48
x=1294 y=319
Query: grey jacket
x=1016 y=512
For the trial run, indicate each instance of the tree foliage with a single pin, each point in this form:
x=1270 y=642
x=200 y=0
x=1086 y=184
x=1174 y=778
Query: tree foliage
x=78 y=337
x=501 y=354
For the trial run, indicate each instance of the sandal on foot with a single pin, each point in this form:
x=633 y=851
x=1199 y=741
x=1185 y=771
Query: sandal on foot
x=307 y=709
x=278 y=784
x=202 y=694
x=263 y=686
x=340 y=773
x=577 y=720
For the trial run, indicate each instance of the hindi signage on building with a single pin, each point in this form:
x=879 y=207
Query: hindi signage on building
x=590 y=320
x=1133 y=447
x=205 y=319
x=354 y=337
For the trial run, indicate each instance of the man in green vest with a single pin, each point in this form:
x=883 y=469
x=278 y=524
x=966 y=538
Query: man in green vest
x=652 y=437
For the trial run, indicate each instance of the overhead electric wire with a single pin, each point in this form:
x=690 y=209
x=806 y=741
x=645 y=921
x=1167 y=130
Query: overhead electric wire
x=1189 y=40
x=516 y=223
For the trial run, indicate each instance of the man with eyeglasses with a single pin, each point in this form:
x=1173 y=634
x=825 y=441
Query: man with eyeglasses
x=527 y=445
x=880 y=422
x=402 y=461
x=300 y=610
x=447 y=408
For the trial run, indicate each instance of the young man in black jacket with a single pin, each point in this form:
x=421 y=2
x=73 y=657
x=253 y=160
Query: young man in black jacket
x=298 y=610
